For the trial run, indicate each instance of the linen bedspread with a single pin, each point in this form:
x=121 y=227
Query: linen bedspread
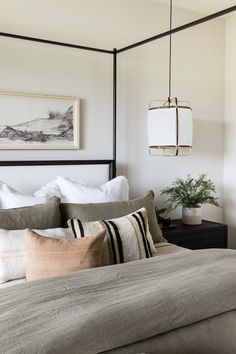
x=106 y=308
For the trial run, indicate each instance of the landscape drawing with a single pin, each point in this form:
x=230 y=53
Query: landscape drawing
x=35 y=122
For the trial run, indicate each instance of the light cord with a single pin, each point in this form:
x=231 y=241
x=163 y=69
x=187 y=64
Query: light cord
x=170 y=52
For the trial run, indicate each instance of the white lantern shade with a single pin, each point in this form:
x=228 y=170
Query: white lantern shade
x=170 y=130
x=185 y=127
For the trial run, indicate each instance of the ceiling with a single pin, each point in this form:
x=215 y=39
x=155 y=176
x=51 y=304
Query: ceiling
x=205 y=6
x=103 y=23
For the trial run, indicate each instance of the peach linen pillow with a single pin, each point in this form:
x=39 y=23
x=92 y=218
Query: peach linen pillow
x=46 y=256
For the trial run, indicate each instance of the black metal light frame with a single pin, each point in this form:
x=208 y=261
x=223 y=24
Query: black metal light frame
x=114 y=52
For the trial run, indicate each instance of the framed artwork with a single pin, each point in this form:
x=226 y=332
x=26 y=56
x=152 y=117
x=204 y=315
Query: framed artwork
x=34 y=121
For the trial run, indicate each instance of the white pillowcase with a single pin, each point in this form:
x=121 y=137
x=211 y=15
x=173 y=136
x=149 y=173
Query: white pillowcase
x=13 y=250
x=10 y=198
x=72 y=191
x=50 y=189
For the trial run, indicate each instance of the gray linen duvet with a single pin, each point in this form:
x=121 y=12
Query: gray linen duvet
x=180 y=303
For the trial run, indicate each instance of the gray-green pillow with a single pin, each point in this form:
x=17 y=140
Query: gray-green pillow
x=42 y=216
x=111 y=210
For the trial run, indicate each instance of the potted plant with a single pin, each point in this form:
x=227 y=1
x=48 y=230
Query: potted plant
x=191 y=193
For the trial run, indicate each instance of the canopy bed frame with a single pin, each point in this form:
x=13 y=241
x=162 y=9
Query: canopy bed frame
x=112 y=162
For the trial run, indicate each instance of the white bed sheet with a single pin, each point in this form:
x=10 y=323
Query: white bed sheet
x=12 y=282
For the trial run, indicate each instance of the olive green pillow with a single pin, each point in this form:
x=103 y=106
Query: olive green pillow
x=42 y=216
x=111 y=210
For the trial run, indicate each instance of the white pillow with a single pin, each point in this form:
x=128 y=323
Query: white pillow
x=51 y=189
x=73 y=191
x=10 y=198
x=13 y=251
x=70 y=191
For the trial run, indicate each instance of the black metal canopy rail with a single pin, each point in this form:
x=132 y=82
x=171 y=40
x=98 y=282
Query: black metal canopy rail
x=114 y=52
x=137 y=44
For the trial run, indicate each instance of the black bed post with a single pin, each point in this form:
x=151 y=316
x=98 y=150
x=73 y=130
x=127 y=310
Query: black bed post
x=114 y=109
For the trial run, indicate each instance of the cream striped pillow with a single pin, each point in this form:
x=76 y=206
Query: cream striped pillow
x=127 y=238
x=13 y=251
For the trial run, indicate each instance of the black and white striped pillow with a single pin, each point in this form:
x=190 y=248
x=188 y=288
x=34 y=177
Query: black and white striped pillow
x=127 y=238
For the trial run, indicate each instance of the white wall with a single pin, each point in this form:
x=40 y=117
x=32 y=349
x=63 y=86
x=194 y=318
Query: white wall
x=198 y=76
x=37 y=68
x=230 y=131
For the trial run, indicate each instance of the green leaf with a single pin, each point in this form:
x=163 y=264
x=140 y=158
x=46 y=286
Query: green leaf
x=190 y=192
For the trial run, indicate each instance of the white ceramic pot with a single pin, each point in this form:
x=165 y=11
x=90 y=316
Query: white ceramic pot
x=192 y=216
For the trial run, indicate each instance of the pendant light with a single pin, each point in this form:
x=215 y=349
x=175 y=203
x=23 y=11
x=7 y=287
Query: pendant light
x=170 y=122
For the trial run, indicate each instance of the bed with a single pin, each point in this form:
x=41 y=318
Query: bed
x=179 y=301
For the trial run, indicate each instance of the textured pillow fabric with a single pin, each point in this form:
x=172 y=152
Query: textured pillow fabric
x=68 y=190
x=10 y=198
x=51 y=189
x=43 y=216
x=46 y=256
x=13 y=251
x=127 y=238
x=71 y=191
x=103 y=211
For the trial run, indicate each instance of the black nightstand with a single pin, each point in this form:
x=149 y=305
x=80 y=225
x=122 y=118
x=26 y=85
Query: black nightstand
x=207 y=235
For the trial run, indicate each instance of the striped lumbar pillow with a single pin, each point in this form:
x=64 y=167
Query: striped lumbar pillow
x=127 y=238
